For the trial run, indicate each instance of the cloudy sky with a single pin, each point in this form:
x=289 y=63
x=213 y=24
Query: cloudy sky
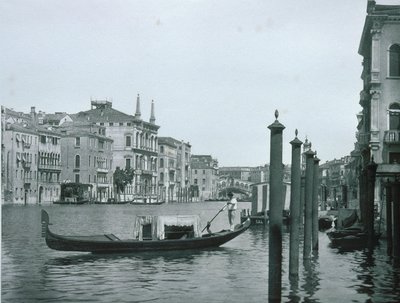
x=216 y=70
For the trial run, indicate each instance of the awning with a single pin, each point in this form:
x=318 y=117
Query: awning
x=386 y=169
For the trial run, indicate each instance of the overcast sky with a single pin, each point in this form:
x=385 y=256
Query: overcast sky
x=216 y=70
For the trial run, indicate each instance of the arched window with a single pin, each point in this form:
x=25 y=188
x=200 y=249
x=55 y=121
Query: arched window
x=77 y=161
x=394 y=60
x=394 y=116
x=161 y=163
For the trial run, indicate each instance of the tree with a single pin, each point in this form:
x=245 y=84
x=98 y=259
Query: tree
x=121 y=179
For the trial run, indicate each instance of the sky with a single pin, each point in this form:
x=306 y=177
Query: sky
x=216 y=70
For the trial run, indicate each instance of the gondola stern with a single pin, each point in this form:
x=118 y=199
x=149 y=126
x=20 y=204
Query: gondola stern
x=45 y=223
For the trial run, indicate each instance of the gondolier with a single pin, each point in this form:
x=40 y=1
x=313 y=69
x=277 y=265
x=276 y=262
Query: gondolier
x=232 y=207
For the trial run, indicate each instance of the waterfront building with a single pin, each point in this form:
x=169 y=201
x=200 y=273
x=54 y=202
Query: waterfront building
x=204 y=176
x=55 y=119
x=236 y=172
x=19 y=155
x=378 y=130
x=31 y=159
x=134 y=147
x=259 y=174
x=173 y=169
x=49 y=165
x=86 y=155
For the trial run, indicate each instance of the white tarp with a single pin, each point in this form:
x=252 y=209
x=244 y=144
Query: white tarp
x=158 y=223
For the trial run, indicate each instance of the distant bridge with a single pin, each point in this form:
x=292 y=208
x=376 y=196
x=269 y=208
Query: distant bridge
x=239 y=187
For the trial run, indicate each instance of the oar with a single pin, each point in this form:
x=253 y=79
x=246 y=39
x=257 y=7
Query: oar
x=209 y=222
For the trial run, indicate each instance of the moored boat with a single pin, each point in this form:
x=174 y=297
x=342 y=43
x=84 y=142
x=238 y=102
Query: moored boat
x=152 y=233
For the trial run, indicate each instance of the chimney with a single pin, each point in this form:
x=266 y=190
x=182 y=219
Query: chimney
x=33 y=115
x=152 y=116
x=137 y=113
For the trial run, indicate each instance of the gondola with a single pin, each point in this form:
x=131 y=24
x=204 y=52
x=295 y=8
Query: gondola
x=182 y=234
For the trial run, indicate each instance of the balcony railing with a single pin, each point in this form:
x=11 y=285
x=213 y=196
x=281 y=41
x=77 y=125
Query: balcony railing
x=49 y=166
x=102 y=170
x=392 y=137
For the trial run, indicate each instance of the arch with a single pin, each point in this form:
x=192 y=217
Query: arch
x=77 y=161
x=394 y=60
x=394 y=116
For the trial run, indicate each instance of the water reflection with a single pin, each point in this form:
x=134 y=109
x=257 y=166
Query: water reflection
x=236 y=272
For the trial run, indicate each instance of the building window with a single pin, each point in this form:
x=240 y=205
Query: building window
x=111 y=124
x=77 y=141
x=162 y=177
x=161 y=163
x=128 y=163
x=394 y=116
x=77 y=161
x=394 y=60
x=204 y=171
x=195 y=181
x=76 y=178
x=89 y=161
x=121 y=123
x=162 y=149
x=204 y=181
x=195 y=171
x=128 y=141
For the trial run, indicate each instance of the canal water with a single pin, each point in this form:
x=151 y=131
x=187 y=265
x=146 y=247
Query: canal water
x=235 y=272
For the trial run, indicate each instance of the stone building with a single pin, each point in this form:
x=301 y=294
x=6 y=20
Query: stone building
x=19 y=164
x=236 y=172
x=135 y=144
x=204 y=176
x=86 y=155
x=49 y=165
x=174 y=169
x=378 y=130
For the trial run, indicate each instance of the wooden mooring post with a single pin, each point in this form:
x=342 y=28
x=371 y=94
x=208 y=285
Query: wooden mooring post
x=369 y=210
x=396 y=222
x=295 y=203
x=316 y=186
x=308 y=204
x=275 y=212
x=389 y=233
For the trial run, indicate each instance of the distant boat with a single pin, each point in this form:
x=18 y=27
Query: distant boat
x=152 y=233
x=260 y=218
x=142 y=203
x=71 y=202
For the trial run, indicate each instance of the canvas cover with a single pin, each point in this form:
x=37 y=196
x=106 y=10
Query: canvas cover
x=158 y=223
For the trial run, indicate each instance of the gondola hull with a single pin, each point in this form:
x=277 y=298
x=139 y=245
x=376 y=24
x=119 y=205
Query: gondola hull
x=111 y=244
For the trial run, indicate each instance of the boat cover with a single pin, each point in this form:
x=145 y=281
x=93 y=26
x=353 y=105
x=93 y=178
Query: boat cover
x=158 y=225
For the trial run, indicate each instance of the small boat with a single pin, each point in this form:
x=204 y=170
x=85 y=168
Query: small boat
x=260 y=218
x=71 y=202
x=151 y=233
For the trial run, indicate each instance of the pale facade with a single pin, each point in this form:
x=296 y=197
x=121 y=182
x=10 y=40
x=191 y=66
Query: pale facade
x=134 y=146
x=49 y=165
x=87 y=158
x=204 y=176
x=378 y=133
x=174 y=169
x=19 y=164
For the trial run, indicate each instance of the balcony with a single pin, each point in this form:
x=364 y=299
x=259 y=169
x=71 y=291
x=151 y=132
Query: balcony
x=26 y=165
x=144 y=150
x=102 y=170
x=392 y=137
x=49 y=167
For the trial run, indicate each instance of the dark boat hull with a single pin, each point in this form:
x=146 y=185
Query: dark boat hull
x=351 y=238
x=111 y=244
